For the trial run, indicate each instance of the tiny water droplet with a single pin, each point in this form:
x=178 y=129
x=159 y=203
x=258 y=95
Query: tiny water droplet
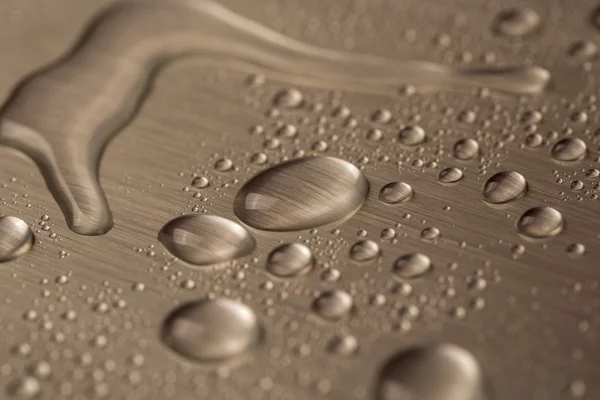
x=395 y=192
x=211 y=330
x=412 y=265
x=541 y=222
x=206 y=239
x=290 y=260
x=16 y=238
x=504 y=187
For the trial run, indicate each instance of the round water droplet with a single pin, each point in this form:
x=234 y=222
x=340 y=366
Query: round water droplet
x=344 y=345
x=534 y=140
x=465 y=149
x=503 y=187
x=287 y=131
x=288 y=98
x=301 y=194
x=450 y=175
x=333 y=305
x=382 y=116
x=430 y=233
x=27 y=387
x=290 y=259
x=541 y=222
x=411 y=266
x=200 y=182
x=16 y=238
x=364 y=250
x=412 y=136
x=206 y=239
x=395 y=192
x=211 y=330
x=569 y=149
x=576 y=249
x=224 y=164
x=517 y=22
x=435 y=372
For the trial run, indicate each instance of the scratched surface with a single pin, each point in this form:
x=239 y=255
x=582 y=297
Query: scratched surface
x=74 y=304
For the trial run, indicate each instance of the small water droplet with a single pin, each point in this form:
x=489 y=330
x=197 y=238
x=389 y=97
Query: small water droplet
x=382 y=116
x=517 y=22
x=364 y=250
x=430 y=233
x=206 y=239
x=395 y=192
x=450 y=175
x=211 y=330
x=224 y=164
x=288 y=98
x=569 y=149
x=412 y=136
x=333 y=305
x=200 y=182
x=412 y=265
x=534 y=140
x=465 y=149
x=541 y=222
x=345 y=345
x=576 y=249
x=504 y=187
x=583 y=50
x=301 y=194
x=290 y=260
x=27 y=387
x=16 y=238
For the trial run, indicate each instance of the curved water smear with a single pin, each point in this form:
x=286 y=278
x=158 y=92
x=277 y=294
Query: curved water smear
x=64 y=115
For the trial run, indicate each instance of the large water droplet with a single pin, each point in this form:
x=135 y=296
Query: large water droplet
x=333 y=305
x=412 y=265
x=395 y=192
x=465 y=149
x=364 y=250
x=541 y=222
x=411 y=136
x=435 y=372
x=206 y=239
x=517 y=22
x=301 y=194
x=503 y=187
x=290 y=259
x=569 y=149
x=211 y=330
x=16 y=238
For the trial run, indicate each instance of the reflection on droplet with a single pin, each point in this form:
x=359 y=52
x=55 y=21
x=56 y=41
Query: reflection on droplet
x=465 y=149
x=412 y=136
x=569 y=149
x=541 y=222
x=206 y=239
x=395 y=192
x=301 y=194
x=364 y=250
x=211 y=330
x=517 y=22
x=288 y=98
x=450 y=175
x=411 y=266
x=16 y=238
x=434 y=372
x=290 y=259
x=333 y=305
x=503 y=187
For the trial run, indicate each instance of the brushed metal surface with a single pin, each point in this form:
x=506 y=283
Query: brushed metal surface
x=81 y=316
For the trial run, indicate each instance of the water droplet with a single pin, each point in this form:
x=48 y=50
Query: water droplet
x=583 y=50
x=258 y=158
x=288 y=98
x=211 y=330
x=465 y=149
x=382 y=116
x=430 y=233
x=16 y=238
x=224 y=164
x=287 y=131
x=592 y=173
x=433 y=372
x=289 y=260
x=569 y=149
x=374 y=135
x=206 y=239
x=517 y=22
x=395 y=192
x=200 y=182
x=333 y=305
x=412 y=136
x=534 y=140
x=411 y=266
x=345 y=345
x=450 y=175
x=576 y=249
x=541 y=222
x=301 y=194
x=503 y=187
x=27 y=387
x=364 y=250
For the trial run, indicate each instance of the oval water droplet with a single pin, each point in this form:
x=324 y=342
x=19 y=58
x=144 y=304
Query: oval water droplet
x=290 y=259
x=288 y=98
x=411 y=266
x=434 y=372
x=411 y=136
x=503 y=187
x=395 y=192
x=333 y=305
x=206 y=239
x=364 y=250
x=301 y=194
x=465 y=149
x=211 y=330
x=569 y=149
x=517 y=22
x=541 y=222
x=450 y=175
x=16 y=238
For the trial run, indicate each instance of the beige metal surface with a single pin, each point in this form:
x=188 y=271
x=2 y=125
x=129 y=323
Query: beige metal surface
x=514 y=291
